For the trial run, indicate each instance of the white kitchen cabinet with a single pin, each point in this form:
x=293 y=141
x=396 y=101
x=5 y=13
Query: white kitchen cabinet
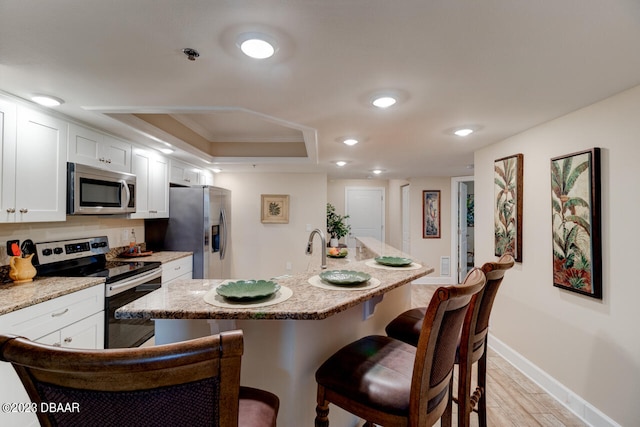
x=8 y=124
x=73 y=320
x=184 y=174
x=206 y=177
x=34 y=168
x=152 y=184
x=92 y=148
x=86 y=333
x=176 y=270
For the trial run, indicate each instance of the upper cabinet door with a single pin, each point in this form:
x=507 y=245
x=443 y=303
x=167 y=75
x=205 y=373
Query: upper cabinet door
x=184 y=173
x=92 y=148
x=152 y=184
x=7 y=161
x=40 y=165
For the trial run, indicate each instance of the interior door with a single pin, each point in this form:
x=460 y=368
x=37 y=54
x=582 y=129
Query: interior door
x=365 y=207
x=462 y=231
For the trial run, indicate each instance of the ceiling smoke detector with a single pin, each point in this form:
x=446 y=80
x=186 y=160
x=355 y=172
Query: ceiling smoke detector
x=192 y=54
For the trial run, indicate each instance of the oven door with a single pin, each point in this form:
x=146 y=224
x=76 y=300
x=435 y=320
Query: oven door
x=123 y=333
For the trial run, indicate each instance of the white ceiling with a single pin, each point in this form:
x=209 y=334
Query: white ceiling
x=500 y=65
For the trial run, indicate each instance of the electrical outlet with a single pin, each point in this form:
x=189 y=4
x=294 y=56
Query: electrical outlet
x=9 y=244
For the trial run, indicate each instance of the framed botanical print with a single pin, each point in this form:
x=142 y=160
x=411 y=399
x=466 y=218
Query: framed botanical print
x=275 y=208
x=575 y=212
x=431 y=214
x=507 y=207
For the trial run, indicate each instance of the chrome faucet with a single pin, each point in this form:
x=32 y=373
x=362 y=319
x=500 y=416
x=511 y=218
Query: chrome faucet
x=309 y=250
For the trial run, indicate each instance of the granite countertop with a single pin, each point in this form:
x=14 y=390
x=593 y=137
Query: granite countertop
x=184 y=299
x=16 y=296
x=162 y=257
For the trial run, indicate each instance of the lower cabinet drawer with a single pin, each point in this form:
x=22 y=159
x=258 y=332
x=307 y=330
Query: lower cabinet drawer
x=49 y=316
x=178 y=268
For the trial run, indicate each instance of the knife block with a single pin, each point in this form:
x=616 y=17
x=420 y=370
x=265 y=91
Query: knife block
x=21 y=270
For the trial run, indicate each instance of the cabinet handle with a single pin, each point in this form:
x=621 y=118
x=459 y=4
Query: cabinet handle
x=11 y=210
x=177 y=268
x=187 y=179
x=56 y=344
x=153 y=211
x=59 y=313
x=24 y=210
x=67 y=340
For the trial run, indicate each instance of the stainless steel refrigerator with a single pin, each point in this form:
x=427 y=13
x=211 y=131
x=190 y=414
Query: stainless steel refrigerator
x=199 y=222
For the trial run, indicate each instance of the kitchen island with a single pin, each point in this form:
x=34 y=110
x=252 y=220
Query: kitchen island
x=286 y=342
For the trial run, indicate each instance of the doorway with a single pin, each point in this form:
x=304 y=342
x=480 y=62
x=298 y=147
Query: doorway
x=463 y=221
x=365 y=207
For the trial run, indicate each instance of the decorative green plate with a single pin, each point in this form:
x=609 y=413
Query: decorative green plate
x=393 y=261
x=242 y=290
x=344 y=277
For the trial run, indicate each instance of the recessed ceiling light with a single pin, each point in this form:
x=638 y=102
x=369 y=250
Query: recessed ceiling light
x=350 y=141
x=47 y=101
x=464 y=132
x=377 y=171
x=341 y=163
x=255 y=45
x=216 y=170
x=384 y=101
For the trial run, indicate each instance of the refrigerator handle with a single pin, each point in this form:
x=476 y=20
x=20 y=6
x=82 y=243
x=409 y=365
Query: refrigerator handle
x=223 y=225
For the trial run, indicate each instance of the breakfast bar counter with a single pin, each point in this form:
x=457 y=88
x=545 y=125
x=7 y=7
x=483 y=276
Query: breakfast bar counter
x=184 y=299
x=285 y=341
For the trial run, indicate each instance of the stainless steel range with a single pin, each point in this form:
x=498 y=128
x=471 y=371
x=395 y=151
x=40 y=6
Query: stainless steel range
x=125 y=282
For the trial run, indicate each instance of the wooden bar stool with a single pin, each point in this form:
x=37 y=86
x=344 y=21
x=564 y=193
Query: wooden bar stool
x=194 y=383
x=390 y=383
x=473 y=342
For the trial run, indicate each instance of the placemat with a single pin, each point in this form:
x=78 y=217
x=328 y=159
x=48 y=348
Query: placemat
x=374 y=264
x=213 y=298
x=319 y=283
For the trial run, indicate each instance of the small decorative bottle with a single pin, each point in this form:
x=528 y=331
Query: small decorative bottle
x=133 y=247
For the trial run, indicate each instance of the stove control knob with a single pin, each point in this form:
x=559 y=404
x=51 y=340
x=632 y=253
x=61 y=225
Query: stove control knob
x=57 y=251
x=47 y=252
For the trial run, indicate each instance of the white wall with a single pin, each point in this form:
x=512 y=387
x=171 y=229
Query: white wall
x=430 y=250
x=260 y=251
x=590 y=346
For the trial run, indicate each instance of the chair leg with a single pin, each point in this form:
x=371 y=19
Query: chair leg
x=447 y=416
x=322 y=409
x=464 y=392
x=482 y=385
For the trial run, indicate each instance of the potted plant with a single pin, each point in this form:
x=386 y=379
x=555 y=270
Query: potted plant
x=336 y=225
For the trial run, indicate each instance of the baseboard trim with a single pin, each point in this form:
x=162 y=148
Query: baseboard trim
x=574 y=403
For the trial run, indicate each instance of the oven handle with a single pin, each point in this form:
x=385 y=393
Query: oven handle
x=118 y=287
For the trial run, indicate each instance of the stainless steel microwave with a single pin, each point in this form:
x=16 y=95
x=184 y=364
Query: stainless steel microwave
x=94 y=191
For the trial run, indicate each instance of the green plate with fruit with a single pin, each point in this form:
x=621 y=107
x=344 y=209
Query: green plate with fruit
x=337 y=252
x=246 y=290
x=345 y=277
x=393 y=261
